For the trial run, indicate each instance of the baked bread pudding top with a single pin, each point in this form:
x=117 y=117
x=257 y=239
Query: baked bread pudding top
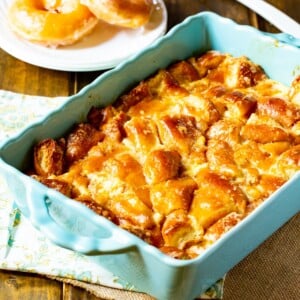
x=183 y=156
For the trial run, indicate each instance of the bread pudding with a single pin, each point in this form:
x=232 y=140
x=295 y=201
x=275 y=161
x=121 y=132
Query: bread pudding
x=183 y=156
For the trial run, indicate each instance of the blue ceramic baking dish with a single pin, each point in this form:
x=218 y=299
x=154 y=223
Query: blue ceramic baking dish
x=71 y=225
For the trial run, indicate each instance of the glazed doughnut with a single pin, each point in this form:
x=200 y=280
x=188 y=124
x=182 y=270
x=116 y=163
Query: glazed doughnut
x=51 y=22
x=124 y=13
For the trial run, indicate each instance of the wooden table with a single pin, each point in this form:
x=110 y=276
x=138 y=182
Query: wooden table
x=264 y=274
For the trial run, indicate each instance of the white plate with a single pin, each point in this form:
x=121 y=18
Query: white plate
x=104 y=48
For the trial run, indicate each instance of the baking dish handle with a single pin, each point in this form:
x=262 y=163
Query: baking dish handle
x=38 y=202
x=285 y=38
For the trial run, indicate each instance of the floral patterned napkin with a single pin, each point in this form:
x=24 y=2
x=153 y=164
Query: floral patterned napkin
x=22 y=247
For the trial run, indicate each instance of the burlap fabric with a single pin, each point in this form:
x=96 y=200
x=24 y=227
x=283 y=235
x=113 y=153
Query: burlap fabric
x=272 y=271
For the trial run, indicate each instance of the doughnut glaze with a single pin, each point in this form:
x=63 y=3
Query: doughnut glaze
x=124 y=13
x=51 y=23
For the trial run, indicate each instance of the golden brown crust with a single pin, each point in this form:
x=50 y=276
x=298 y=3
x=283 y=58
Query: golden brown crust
x=179 y=192
x=178 y=230
x=185 y=155
x=80 y=140
x=263 y=133
x=221 y=197
x=49 y=158
x=179 y=132
x=161 y=165
x=280 y=110
x=220 y=158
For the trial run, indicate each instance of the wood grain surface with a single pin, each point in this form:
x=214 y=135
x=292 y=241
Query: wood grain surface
x=253 y=278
